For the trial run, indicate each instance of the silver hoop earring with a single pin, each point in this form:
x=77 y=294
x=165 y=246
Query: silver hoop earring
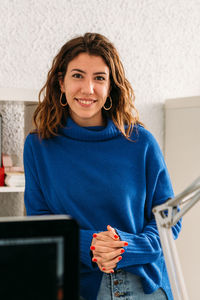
x=61 y=102
x=108 y=108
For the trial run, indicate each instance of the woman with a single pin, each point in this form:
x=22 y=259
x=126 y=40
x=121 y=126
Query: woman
x=91 y=158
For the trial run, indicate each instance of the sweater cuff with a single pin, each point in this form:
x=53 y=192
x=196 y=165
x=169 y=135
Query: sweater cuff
x=139 y=250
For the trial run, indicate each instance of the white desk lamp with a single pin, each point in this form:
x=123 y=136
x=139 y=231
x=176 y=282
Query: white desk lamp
x=167 y=215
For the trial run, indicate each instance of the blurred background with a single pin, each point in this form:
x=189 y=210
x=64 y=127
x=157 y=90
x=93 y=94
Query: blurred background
x=159 y=45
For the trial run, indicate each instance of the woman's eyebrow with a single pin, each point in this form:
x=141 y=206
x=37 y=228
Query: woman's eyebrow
x=98 y=73
x=78 y=70
x=81 y=71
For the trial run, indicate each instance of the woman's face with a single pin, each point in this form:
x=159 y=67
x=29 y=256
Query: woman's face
x=86 y=86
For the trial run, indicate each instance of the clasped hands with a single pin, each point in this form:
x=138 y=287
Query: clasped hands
x=107 y=249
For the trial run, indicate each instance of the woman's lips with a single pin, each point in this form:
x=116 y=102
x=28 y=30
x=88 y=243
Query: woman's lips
x=85 y=102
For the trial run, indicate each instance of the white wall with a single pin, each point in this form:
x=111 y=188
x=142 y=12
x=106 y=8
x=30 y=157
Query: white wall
x=158 y=40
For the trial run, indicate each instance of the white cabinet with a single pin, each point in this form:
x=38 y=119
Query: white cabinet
x=182 y=154
x=16 y=107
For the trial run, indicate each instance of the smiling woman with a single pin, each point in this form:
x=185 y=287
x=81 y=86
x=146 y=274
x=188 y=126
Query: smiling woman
x=86 y=86
x=90 y=157
x=90 y=67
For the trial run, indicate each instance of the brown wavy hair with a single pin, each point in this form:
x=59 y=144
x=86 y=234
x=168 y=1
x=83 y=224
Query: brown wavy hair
x=50 y=115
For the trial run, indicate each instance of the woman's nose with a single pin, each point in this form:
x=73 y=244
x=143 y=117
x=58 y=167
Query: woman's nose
x=88 y=87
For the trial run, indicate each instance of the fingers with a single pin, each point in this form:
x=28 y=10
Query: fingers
x=103 y=269
x=107 y=249
x=112 y=264
x=108 y=267
x=106 y=235
x=108 y=262
x=107 y=256
x=107 y=246
x=111 y=230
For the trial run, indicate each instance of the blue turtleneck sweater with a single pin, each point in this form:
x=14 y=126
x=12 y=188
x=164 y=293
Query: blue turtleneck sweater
x=99 y=177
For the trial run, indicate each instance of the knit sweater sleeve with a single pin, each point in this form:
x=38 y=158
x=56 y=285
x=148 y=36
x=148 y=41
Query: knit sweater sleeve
x=144 y=247
x=36 y=204
x=33 y=197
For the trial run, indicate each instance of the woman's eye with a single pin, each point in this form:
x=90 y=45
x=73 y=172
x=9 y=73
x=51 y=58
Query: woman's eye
x=77 y=75
x=101 y=78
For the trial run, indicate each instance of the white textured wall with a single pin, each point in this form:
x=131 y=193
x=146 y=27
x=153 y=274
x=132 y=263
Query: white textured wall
x=158 y=41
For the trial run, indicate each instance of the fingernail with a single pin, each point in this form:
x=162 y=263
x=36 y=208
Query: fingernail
x=116 y=236
x=111 y=271
x=94 y=260
x=92 y=248
x=122 y=251
x=125 y=244
x=120 y=257
x=103 y=269
x=94 y=235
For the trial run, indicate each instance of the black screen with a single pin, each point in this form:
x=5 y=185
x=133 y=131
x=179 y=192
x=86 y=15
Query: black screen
x=32 y=268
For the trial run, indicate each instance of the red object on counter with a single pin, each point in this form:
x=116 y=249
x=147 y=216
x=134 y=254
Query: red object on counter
x=2 y=176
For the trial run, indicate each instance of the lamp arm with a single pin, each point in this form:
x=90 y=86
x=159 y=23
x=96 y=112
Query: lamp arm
x=170 y=212
x=186 y=208
x=167 y=215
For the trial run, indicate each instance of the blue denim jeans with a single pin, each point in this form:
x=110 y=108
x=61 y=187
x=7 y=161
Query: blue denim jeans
x=125 y=286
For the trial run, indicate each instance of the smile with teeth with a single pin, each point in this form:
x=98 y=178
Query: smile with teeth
x=84 y=101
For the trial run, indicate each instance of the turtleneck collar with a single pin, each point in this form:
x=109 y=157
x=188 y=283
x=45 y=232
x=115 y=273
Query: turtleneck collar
x=96 y=133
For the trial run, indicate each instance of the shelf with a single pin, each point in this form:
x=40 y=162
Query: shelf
x=28 y=97
x=19 y=95
x=9 y=189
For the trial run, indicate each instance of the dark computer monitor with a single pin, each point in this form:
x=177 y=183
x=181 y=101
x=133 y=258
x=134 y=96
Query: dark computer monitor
x=39 y=258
